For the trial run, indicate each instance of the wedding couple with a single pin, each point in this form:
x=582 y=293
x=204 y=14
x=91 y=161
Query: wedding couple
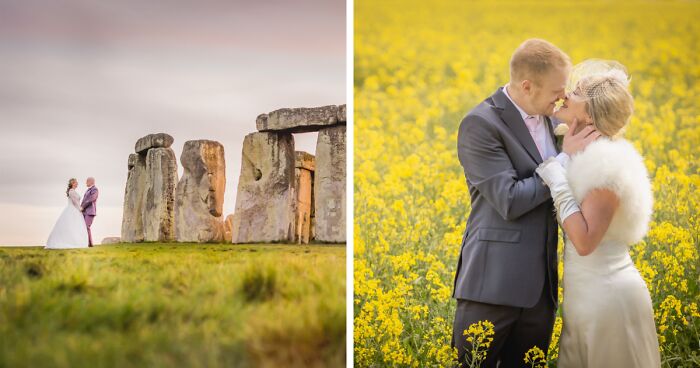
x=72 y=229
x=595 y=186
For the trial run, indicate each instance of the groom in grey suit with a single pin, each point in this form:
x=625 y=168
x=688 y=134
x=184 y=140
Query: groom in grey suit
x=507 y=268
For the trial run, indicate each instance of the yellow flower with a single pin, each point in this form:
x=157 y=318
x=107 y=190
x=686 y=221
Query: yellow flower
x=479 y=337
x=535 y=358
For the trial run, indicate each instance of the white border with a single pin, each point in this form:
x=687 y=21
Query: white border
x=349 y=87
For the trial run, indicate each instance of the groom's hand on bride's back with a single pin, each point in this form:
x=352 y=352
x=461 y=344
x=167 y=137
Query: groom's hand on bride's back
x=575 y=141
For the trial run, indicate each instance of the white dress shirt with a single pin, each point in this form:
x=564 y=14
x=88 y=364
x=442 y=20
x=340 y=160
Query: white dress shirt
x=540 y=134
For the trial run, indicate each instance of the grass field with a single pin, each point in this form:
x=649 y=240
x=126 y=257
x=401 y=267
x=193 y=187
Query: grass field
x=156 y=305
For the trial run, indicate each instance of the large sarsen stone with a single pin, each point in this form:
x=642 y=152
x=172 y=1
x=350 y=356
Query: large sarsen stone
x=200 y=193
x=303 y=186
x=329 y=185
x=132 y=218
x=298 y=120
x=265 y=203
x=159 y=198
x=158 y=140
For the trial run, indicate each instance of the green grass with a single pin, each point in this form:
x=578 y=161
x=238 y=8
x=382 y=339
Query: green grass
x=164 y=305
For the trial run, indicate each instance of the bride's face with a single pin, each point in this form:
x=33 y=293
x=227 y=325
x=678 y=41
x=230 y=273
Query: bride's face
x=574 y=107
x=74 y=184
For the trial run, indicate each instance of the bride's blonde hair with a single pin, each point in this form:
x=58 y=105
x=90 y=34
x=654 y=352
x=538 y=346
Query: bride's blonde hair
x=604 y=86
x=70 y=185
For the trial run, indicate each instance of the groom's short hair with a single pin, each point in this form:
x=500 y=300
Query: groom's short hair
x=534 y=58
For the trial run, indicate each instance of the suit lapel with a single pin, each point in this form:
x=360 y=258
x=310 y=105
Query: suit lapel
x=550 y=130
x=511 y=116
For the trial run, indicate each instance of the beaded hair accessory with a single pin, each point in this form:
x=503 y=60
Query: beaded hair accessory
x=595 y=77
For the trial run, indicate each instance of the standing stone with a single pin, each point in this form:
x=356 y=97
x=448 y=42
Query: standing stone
x=265 y=201
x=159 y=200
x=200 y=193
x=132 y=220
x=329 y=185
x=228 y=229
x=298 y=120
x=304 y=172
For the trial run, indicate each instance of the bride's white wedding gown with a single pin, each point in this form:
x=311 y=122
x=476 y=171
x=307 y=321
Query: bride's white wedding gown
x=70 y=230
x=608 y=320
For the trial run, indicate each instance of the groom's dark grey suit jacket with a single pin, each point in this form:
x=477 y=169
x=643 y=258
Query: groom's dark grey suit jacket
x=510 y=241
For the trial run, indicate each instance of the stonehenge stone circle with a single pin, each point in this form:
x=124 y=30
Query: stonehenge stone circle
x=283 y=195
x=265 y=200
x=329 y=185
x=199 y=196
x=150 y=188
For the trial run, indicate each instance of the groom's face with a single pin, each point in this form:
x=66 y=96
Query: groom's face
x=548 y=90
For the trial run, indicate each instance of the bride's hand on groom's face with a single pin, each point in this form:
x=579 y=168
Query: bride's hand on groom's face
x=575 y=141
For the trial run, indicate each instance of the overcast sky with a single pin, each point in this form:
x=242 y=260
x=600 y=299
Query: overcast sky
x=81 y=81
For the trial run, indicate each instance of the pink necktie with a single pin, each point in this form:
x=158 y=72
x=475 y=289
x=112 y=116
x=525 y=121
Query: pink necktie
x=532 y=126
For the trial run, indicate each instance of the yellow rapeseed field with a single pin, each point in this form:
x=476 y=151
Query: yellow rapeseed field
x=420 y=66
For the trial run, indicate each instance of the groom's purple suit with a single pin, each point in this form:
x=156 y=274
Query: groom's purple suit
x=89 y=207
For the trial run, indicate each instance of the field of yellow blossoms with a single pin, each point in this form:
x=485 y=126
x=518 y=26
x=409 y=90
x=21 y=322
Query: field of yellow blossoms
x=420 y=66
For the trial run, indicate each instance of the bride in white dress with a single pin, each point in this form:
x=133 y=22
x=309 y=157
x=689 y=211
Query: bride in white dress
x=70 y=230
x=603 y=200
